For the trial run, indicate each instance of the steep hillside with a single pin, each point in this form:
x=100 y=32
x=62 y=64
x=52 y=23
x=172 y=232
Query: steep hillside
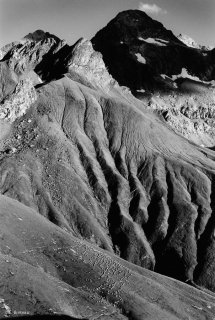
x=94 y=187
x=45 y=270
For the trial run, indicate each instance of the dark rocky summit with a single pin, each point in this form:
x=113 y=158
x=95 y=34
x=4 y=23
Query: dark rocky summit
x=96 y=187
x=133 y=35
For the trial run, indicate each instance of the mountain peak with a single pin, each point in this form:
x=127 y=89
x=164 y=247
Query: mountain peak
x=51 y=57
x=131 y=24
x=40 y=35
x=36 y=35
x=133 y=14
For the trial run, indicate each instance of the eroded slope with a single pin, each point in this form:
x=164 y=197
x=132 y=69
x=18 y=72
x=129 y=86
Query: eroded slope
x=82 y=152
x=44 y=270
x=115 y=175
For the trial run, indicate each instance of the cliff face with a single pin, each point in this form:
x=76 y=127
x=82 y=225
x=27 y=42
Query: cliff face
x=95 y=187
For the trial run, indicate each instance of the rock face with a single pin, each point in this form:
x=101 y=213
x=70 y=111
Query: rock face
x=19 y=101
x=87 y=62
x=95 y=189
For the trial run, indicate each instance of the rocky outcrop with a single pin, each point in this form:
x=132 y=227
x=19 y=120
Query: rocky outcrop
x=51 y=57
x=88 y=63
x=19 y=101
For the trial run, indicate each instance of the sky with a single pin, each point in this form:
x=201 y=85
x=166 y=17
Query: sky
x=73 y=19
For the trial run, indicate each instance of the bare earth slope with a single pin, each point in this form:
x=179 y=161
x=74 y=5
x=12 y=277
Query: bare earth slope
x=115 y=175
x=88 y=176
x=46 y=270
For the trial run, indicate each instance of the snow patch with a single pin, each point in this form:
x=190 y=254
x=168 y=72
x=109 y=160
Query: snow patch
x=162 y=40
x=157 y=41
x=188 y=41
x=141 y=90
x=164 y=76
x=192 y=43
x=184 y=74
x=140 y=58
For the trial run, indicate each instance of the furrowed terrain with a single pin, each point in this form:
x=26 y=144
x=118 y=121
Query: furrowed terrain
x=96 y=188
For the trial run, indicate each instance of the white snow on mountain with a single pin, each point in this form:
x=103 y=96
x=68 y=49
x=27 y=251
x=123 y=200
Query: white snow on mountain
x=184 y=74
x=192 y=43
x=188 y=41
x=140 y=58
x=158 y=42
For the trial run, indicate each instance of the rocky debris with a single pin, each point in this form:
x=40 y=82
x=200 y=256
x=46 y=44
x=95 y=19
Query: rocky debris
x=190 y=114
x=19 y=101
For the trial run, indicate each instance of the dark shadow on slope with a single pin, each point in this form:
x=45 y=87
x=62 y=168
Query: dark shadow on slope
x=119 y=237
x=168 y=261
x=206 y=241
x=54 y=65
